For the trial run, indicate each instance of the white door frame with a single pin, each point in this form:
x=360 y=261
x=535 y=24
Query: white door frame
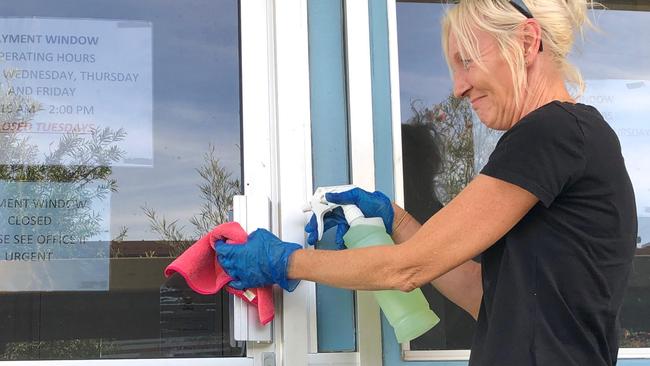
x=258 y=115
x=284 y=102
x=291 y=162
x=292 y=61
x=277 y=148
x=277 y=152
x=362 y=159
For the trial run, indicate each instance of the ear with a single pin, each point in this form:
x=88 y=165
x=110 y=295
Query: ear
x=532 y=38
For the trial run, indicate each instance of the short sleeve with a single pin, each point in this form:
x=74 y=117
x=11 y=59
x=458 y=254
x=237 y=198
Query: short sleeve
x=543 y=153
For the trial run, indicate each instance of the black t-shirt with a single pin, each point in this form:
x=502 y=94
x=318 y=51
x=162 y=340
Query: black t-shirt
x=553 y=285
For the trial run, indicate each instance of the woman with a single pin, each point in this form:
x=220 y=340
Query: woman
x=552 y=213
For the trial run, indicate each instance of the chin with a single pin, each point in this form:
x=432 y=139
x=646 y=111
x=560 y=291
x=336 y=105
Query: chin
x=491 y=122
x=486 y=120
x=495 y=126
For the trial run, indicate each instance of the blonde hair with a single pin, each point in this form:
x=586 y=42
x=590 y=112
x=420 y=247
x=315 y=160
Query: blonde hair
x=560 y=21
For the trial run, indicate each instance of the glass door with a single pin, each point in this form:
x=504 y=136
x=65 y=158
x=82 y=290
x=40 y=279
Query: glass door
x=121 y=139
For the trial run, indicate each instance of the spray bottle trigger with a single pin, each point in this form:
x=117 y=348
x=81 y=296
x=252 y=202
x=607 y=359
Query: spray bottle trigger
x=320 y=206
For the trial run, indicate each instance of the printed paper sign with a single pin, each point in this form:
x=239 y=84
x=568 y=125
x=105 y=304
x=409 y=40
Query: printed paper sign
x=76 y=76
x=54 y=236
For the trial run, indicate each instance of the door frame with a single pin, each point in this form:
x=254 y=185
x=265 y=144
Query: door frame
x=284 y=101
x=277 y=148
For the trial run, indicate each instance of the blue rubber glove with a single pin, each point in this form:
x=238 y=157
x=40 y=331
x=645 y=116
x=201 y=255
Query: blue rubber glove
x=374 y=204
x=259 y=262
x=330 y=220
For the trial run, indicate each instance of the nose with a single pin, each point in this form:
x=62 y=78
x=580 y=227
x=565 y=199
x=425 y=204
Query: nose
x=461 y=85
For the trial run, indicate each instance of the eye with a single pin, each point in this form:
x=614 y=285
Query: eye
x=466 y=62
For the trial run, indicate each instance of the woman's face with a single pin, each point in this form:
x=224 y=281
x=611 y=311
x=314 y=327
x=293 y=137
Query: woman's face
x=490 y=91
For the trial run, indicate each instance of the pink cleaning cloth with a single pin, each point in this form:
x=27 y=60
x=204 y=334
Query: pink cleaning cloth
x=202 y=272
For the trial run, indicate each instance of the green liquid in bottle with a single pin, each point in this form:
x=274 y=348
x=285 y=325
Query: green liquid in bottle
x=407 y=312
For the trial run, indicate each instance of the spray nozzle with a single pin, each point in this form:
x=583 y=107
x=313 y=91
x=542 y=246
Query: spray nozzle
x=320 y=206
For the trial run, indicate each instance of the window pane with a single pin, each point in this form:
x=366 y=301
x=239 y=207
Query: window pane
x=440 y=136
x=120 y=128
x=617 y=76
x=444 y=144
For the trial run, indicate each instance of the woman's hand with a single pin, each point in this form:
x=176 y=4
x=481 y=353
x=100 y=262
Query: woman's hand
x=375 y=204
x=261 y=261
x=334 y=218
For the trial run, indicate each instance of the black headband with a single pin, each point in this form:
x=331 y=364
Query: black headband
x=523 y=9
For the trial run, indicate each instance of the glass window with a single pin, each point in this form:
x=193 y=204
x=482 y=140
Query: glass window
x=444 y=145
x=120 y=128
x=614 y=65
x=437 y=147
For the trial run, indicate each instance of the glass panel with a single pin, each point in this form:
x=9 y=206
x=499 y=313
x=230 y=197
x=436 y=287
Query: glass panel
x=444 y=144
x=120 y=129
x=617 y=76
x=438 y=148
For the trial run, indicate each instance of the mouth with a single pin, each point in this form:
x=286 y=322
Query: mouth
x=474 y=100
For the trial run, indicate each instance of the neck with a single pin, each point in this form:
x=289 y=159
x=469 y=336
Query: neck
x=543 y=88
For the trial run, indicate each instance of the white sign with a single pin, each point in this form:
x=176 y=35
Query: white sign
x=75 y=76
x=54 y=236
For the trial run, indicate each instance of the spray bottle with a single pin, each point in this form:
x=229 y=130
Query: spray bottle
x=407 y=312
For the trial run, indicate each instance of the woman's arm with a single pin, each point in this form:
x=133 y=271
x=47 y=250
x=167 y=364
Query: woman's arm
x=481 y=214
x=462 y=285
